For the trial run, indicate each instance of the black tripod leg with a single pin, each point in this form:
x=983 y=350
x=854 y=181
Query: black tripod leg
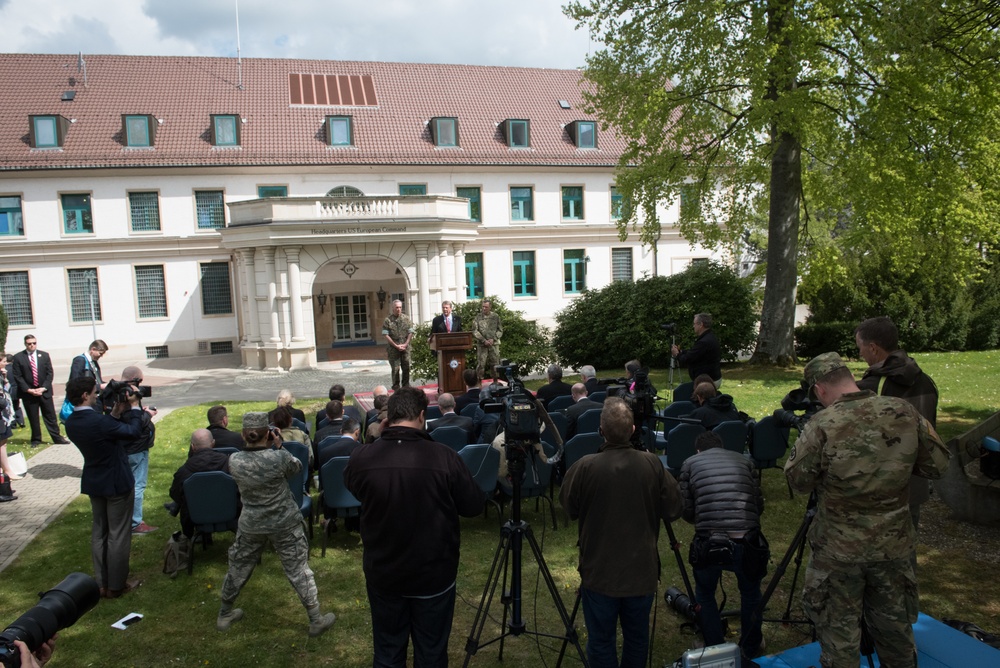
x=571 y=635
x=572 y=620
x=497 y=570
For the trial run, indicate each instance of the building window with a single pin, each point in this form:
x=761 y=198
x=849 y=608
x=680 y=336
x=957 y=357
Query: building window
x=220 y=347
x=144 y=209
x=344 y=191
x=617 y=203
x=524 y=273
x=412 y=189
x=474 y=276
x=84 y=295
x=398 y=296
x=225 y=130
x=621 y=264
x=572 y=203
x=15 y=295
x=690 y=204
x=518 y=133
x=76 y=214
x=475 y=205
x=211 y=209
x=157 y=352
x=585 y=134
x=47 y=131
x=445 y=131
x=272 y=191
x=138 y=132
x=521 y=204
x=11 y=222
x=151 y=291
x=574 y=271
x=339 y=130
x=216 y=294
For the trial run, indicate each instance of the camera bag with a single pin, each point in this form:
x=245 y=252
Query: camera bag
x=708 y=550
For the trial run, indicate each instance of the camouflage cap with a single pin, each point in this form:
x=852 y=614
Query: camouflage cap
x=255 y=421
x=821 y=365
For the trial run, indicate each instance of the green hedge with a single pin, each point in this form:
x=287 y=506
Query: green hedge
x=814 y=339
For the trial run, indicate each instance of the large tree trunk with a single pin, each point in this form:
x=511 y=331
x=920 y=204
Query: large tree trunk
x=776 y=341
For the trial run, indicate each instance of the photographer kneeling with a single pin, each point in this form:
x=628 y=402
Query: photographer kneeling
x=722 y=498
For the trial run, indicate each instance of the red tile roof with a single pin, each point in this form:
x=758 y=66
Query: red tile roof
x=184 y=92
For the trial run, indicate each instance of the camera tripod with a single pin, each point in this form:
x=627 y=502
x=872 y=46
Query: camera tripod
x=508 y=555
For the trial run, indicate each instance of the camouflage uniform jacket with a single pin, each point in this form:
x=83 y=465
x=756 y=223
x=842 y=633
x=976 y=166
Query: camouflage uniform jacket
x=487 y=327
x=858 y=454
x=397 y=327
x=262 y=476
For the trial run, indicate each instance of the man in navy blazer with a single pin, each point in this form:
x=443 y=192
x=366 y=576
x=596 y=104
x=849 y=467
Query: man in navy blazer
x=35 y=390
x=107 y=479
x=449 y=418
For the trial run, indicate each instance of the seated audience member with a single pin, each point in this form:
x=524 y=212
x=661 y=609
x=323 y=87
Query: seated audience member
x=581 y=405
x=449 y=418
x=374 y=429
x=588 y=376
x=333 y=414
x=713 y=408
x=472 y=390
x=342 y=447
x=201 y=457
x=338 y=393
x=218 y=425
x=555 y=387
x=287 y=399
x=380 y=390
x=282 y=419
x=486 y=425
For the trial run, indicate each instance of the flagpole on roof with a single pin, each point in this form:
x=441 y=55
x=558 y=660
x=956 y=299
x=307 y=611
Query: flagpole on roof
x=81 y=66
x=239 y=61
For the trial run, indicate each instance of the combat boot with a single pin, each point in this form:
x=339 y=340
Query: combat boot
x=228 y=617
x=319 y=624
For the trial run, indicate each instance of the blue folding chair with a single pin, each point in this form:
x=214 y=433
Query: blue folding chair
x=680 y=445
x=589 y=422
x=679 y=409
x=683 y=391
x=579 y=446
x=432 y=413
x=469 y=410
x=455 y=438
x=599 y=397
x=213 y=504
x=297 y=484
x=300 y=425
x=768 y=445
x=733 y=434
x=483 y=461
x=301 y=453
x=561 y=422
x=227 y=450
x=560 y=403
x=337 y=500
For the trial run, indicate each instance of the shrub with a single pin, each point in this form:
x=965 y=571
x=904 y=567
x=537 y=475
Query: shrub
x=3 y=329
x=813 y=339
x=610 y=326
x=524 y=342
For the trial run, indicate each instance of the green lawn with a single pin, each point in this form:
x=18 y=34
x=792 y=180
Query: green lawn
x=179 y=624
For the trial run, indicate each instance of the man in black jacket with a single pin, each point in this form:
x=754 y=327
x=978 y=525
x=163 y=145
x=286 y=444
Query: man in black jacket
x=581 y=404
x=555 y=387
x=705 y=355
x=32 y=369
x=713 y=408
x=202 y=457
x=412 y=491
x=473 y=387
x=722 y=498
x=218 y=425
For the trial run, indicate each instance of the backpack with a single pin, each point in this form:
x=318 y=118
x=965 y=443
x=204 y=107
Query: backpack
x=176 y=554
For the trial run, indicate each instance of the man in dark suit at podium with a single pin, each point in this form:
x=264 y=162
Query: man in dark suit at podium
x=446 y=322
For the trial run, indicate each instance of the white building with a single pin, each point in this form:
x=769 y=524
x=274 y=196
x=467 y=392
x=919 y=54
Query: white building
x=278 y=208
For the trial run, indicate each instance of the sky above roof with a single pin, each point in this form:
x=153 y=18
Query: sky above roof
x=524 y=33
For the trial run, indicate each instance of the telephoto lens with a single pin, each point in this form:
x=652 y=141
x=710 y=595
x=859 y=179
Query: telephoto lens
x=681 y=603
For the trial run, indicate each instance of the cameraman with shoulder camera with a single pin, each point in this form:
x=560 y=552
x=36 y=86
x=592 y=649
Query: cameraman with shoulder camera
x=857 y=455
x=705 y=355
x=107 y=478
x=620 y=495
x=138 y=450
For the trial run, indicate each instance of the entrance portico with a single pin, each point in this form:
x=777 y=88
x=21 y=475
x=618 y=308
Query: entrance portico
x=349 y=257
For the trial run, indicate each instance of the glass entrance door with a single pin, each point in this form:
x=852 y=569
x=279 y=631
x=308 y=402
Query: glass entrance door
x=350 y=318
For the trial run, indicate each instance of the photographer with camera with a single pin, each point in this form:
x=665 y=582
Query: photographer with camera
x=722 y=498
x=107 y=477
x=137 y=450
x=269 y=514
x=705 y=355
x=858 y=454
x=620 y=496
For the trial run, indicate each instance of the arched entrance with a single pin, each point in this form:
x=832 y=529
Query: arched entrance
x=351 y=298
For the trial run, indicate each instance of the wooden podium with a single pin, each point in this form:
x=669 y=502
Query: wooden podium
x=451 y=348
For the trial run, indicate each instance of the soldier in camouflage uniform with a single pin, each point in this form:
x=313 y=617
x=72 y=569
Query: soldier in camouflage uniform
x=487 y=330
x=398 y=330
x=858 y=455
x=269 y=514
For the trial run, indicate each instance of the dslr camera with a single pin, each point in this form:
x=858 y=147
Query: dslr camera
x=797 y=400
x=121 y=390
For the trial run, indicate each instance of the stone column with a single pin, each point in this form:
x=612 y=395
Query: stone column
x=253 y=314
x=423 y=292
x=459 y=253
x=272 y=292
x=295 y=291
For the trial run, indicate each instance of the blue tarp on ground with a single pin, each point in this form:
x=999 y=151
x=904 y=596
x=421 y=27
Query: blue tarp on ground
x=938 y=646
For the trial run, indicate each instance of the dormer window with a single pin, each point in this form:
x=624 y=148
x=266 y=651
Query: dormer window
x=445 y=131
x=339 y=131
x=584 y=133
x=47 y=131
x=139 y=130
x=225 y=130
x=517 y=133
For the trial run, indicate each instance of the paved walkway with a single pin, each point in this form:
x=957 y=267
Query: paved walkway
x=53 y=479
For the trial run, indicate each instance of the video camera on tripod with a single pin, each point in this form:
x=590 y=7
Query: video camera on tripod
x=640 y=395
x=519 y=413
x=797 y=400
